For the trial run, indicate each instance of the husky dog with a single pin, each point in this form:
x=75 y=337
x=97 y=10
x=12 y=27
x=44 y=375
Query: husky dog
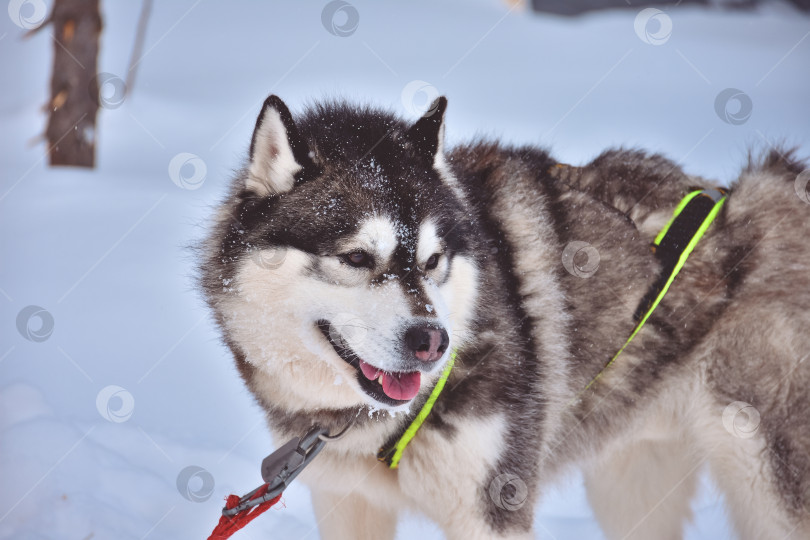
x=355 y=255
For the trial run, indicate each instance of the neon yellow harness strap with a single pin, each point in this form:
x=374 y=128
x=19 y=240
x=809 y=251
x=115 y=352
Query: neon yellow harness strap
x=403 y=441
x=675 y=214
x=681 y=261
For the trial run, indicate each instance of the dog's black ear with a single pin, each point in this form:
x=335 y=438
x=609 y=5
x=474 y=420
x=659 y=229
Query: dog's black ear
x=428 y=132
x=277 y=151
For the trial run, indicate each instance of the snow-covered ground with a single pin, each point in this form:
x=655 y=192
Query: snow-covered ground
x=125 y=418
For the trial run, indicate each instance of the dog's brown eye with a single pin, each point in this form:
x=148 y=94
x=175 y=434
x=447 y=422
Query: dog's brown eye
x=358 y=259
x=432 y=262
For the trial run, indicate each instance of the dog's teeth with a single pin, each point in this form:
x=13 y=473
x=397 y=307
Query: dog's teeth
x=379 y=379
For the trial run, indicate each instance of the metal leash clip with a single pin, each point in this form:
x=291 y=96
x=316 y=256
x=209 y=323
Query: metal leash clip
x=281 y=467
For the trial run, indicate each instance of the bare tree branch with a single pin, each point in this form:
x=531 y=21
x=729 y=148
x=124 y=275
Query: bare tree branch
x=140 y=36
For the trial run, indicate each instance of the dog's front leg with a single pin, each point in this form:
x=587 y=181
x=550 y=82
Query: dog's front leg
x=352 y=517
x=456 y=478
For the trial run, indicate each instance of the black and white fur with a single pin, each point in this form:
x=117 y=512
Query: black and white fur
x=341 y=179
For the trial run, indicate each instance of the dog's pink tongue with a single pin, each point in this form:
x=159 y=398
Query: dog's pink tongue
x=369 y=371
x=401 y=386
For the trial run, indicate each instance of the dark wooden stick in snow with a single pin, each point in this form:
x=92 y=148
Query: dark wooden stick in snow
x=71 y=131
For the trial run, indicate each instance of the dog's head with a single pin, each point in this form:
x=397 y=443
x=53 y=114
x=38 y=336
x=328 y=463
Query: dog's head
x=342 y=268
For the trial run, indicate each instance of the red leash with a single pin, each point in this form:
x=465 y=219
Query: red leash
x=228 y=525
x=278 y=470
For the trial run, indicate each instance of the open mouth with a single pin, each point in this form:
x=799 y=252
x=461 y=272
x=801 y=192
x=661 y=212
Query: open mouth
x=390 y=388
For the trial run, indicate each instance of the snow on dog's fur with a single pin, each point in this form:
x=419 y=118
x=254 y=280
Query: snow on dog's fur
x=354 y=253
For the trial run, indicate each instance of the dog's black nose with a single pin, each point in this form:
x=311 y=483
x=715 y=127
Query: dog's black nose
x=428 y=343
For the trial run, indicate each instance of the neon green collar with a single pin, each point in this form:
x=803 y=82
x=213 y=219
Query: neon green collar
x=391 y=454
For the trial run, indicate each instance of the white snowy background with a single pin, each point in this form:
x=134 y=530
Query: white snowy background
x=132 y=386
